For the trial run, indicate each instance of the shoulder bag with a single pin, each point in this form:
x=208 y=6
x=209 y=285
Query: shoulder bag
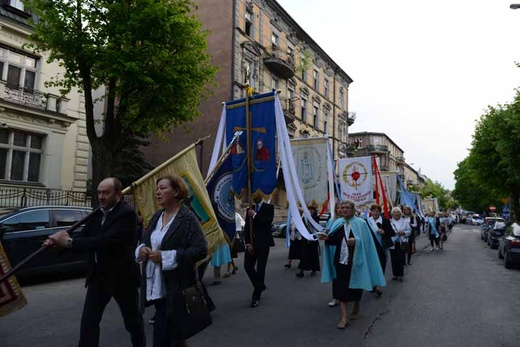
x=196 y=314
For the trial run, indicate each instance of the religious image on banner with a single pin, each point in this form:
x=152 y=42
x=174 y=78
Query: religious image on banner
x=221 y=194
x=356 y=179
x=261 y=146
x=310 y=159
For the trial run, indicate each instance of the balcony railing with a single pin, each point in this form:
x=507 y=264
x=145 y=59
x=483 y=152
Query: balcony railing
x=377 y=148
x=33 y=98
x=399 y=160
x=280 y=63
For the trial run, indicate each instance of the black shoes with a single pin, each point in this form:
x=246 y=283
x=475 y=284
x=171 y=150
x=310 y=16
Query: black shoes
x=299 y=274
x=254 y=303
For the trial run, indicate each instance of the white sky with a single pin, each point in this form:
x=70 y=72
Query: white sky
x=423 y=71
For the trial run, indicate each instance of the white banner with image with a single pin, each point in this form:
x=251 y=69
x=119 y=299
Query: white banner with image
x=356 y=179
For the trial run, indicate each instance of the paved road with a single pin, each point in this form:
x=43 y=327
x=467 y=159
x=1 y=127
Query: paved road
x=461 y=296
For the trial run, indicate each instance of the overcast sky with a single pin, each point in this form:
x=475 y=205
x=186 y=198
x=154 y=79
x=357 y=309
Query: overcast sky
x=423 y=71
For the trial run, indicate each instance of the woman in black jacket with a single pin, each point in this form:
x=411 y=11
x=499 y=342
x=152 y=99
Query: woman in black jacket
x=171 y=248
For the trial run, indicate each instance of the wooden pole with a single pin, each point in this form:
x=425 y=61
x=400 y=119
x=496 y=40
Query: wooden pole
x=249 y=164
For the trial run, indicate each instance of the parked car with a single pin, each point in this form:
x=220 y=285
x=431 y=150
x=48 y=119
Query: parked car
x=23 y=231
x=278 y=229
x=488 y=224
x=509 y=246
x=477 y=220
x=495 y=234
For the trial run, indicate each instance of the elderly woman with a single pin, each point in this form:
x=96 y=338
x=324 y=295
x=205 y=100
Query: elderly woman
x=351 y=251
x=382 y=233
x=171 y=247
x=402 y=230
x=432 y=231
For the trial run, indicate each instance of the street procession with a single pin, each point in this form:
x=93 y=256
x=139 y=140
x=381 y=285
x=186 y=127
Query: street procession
x=191 y=173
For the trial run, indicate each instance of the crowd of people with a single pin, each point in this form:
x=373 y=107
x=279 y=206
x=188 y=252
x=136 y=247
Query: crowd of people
x=354 y=256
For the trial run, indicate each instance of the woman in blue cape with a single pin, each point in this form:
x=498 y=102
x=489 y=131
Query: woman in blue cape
x=350 y=260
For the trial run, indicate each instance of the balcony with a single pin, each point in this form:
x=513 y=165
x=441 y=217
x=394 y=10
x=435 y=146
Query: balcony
x=377 y=148
x=280 y=63
x=33 y=98
x=399 y=160
x=289 y=111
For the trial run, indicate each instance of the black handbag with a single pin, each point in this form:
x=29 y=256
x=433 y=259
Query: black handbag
x=195 y=312
x=405 y=246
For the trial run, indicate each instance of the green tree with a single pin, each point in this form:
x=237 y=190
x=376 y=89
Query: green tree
x=435 y=190
x=149 y=55
x=471 y=192
x=495 y=152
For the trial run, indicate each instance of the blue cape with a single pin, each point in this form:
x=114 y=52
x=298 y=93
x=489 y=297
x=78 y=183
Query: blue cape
x=366 y=268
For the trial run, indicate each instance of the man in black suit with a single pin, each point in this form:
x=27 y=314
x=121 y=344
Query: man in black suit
x=110 y=238
x=257 y=247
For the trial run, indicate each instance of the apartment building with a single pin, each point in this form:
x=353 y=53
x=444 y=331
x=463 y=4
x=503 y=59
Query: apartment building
x=391 y=156
x=257 y=43
x=43 y=142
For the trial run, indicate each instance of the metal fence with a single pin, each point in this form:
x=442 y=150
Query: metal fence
x=14 y=197
x=24 y=197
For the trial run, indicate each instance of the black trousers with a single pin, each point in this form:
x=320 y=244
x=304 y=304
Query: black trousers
x=99 y=293
x=397 y=257
x=164 y=330
x=255 y=265
x=411 y=241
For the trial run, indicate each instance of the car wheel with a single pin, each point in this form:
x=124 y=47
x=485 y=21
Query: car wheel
x=507 y=263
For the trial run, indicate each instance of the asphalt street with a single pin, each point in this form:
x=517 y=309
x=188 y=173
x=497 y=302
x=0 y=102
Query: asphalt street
x=459 y=296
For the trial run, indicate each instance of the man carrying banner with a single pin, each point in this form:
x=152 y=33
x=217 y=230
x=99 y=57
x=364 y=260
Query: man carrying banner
x=259 y=219
x=110 y=238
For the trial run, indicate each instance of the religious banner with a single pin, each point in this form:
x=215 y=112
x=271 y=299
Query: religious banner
x=310 y=159
x=355 y=176
x=258 y=139
x=11 y=296
x=220 y=189
x=185 y=165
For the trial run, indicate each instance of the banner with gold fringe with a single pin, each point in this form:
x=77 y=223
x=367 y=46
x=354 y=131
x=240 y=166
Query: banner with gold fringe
x=185 y=165
x=11 y=296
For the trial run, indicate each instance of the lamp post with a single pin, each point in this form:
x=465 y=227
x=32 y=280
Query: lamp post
x=514 y=6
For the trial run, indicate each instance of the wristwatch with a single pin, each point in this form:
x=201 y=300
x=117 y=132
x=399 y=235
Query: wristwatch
x=69 y=242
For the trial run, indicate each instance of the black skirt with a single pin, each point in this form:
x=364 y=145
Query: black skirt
x=295 y=250
x=310 y=260
x=341 y=284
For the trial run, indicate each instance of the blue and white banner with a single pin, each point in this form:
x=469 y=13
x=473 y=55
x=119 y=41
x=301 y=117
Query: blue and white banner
x=220 y=189
x=261 y=144
x=356 y=179
x=310 y=159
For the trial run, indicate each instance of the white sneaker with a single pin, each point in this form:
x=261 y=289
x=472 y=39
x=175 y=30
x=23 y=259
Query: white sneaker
x=333 y=303
x=432 y=249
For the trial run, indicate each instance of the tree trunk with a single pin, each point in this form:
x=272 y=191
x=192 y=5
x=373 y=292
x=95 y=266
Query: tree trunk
x=514 y=206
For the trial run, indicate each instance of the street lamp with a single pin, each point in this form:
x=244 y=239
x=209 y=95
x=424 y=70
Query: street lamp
x=514 y=6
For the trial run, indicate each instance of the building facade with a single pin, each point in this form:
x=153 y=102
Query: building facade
x=391 y=156
x=43 y=141
x=257 y=43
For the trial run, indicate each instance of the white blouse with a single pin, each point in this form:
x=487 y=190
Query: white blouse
x=155 y=288
x=401 y=224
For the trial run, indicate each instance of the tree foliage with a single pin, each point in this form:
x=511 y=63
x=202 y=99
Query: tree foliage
x=149 y=55
x=494 y=160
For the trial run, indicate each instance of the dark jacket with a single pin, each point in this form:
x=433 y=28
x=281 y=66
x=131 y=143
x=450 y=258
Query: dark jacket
x=110 y=246
x=185 y=236
x=262 y=221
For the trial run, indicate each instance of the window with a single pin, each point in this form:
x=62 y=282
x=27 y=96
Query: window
x=16 y=4
x=315 y=115
x=274 y=41
x=275 y=83
x=290 y=91
x=67 y=217
x=326 y=88
x=326 y=113
x=19 y=70
x=30 y=220
x=341 y=98
x=316 y=80
x=342 y=132
x=249 y=23
x=304 y=108
x=20 y=155
x=304 y=74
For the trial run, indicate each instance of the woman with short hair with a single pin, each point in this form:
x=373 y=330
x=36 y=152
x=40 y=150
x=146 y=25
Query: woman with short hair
x=402 y=231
